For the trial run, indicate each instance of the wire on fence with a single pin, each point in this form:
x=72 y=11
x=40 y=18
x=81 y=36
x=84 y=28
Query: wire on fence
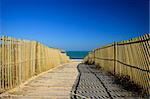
x=131 y=58
x=22 y=59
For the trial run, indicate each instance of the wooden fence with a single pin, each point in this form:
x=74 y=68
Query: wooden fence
x=22 y=59
x=131 y=58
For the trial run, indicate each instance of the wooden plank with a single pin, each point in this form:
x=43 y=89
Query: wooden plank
x=2 y=66
x=20 y=60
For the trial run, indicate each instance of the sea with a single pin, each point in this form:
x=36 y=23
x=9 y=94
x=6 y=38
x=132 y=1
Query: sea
x=77 y=54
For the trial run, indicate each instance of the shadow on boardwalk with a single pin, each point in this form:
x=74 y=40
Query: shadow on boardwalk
x=93 y=83
x=63 y=81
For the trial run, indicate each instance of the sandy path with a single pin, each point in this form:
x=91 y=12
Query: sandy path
x=54 y=84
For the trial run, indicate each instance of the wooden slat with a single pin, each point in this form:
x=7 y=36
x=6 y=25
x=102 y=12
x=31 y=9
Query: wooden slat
x=22 y=59
x=134 y=52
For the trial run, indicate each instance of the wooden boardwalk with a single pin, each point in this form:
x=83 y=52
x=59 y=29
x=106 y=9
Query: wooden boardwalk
x=54 y=84
x=94 y=83
x=70 y=81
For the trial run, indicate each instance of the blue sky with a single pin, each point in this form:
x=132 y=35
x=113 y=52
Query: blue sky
x=74 y=24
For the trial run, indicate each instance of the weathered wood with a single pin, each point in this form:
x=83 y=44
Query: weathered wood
x=132 y=58
x=22 y=59
x=53 y=84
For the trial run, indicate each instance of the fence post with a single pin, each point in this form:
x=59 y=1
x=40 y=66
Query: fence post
x=94 y=57
x=3 y=63
x=36 y=58
x=115 y=57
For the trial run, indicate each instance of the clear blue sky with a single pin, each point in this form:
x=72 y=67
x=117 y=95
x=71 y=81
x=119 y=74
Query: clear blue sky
x=74 y=24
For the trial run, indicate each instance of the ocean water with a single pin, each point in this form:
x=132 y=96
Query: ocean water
x=77 y=54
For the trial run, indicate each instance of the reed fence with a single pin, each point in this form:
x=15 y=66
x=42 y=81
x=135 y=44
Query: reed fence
x=130 y=57
x=22 y=59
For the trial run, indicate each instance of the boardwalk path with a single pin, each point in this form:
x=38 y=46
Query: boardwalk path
x=57 y=84
x=54 y=84
x=97 y=84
